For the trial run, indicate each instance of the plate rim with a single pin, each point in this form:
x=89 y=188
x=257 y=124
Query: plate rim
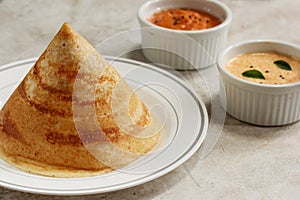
x=193 y=147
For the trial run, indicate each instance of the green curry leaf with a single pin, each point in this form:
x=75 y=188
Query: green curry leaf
x=253 y=74
x=282 y=64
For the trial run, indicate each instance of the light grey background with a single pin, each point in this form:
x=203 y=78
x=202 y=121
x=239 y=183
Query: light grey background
x=248 y=162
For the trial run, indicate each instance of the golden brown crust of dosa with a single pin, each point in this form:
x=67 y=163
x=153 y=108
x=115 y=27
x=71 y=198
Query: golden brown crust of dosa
x=37 y=130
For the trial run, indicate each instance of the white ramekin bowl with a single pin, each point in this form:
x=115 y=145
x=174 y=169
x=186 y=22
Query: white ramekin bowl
x=259 y=104
x=183 y=49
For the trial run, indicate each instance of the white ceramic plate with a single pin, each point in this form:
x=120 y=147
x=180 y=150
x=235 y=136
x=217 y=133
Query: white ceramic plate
x=183 y=133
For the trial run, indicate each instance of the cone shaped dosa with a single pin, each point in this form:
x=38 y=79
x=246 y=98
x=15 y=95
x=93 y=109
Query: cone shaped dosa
x=38 y=133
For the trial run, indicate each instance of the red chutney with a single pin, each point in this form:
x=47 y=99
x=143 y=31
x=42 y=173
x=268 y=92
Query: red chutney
x=184 y=19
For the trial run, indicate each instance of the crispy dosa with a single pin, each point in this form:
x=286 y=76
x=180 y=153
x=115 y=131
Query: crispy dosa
x=41 y=134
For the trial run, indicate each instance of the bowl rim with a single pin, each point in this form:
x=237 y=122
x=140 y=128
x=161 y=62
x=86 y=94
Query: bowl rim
x=221 y=65
x=224 y=23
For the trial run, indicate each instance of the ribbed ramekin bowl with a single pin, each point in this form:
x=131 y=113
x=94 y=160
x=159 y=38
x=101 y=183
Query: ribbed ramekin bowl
x=183 y=49
x=259 y=104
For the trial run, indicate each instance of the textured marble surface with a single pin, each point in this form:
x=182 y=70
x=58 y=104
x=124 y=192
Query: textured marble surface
x=248 y=162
